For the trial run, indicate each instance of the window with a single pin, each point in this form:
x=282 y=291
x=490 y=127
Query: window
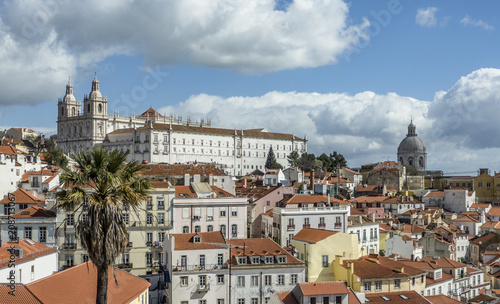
x=234 y=211
x=210 y=228
x=220 y=279
x=149 y=204
x=241 y=301
x=255 y=260
x=281 y=279
x=210 y=214
x=281 y=259
x=293 y=279
x=70 y=219
x=197 y=228
x=324 y=260
x=422 y=279
x=202 y=261
x=413 y=281
x=149 y=237
x=185 y=229
x=184 y=262
x=69 y=260
x=269 y=260
x=480 y=184
x=161 y=203
x=42 y=233
x=338 y=300
x=234 y=230
x=220 y=259
x=124 y=215
x=267 y=280
x=27 y=232
x=378 y=285
x=223 y=229
x=368 y=286
x=203 y=301
x=197 y=239
x=254 y=281
x=149 y=219
x=241 y=281
x=397 y=283
x=254 y=300
x=161 y=218
x=223 y=211
x=184 y=281
x=202 y=281
x=242 y=260
x=149 y=259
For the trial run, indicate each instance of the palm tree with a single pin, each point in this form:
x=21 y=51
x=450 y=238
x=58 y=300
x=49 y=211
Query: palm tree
x=109 y=183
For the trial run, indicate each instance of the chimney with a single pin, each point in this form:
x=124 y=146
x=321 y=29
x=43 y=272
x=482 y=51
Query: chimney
x=483 y=217
x=244 y=183
x=372 y=215
x=211 y=179
x=311 y=177
x=196 y=178
x=187 y=179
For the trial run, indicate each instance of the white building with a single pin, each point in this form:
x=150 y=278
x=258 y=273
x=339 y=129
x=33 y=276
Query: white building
x=34 y=223
x=404 y=247
x=157 y=138
x=367 y=231
x=319 y=292
x=40 y=182
x=32 y=261
x=204 y=208
x=13 y=164
x=458 y=199
x=308 y=211
x=197 y=264
x=259 y=268
x=275 y=177
x=19 y=200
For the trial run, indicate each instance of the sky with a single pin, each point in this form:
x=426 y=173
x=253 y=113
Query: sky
x=348 y=75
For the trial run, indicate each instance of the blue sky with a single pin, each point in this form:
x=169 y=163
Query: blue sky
x=350 y=75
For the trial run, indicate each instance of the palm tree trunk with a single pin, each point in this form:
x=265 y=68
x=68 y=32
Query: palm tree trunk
x=102 y=285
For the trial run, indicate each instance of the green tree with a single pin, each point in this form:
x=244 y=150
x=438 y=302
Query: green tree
x=114 y=183
x=293 y=159
x=56 y=157
x=271 y=162
x=326 y=160
x=306 y=162
x=337 y=160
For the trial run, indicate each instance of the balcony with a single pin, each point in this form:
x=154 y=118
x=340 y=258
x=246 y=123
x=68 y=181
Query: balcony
x=338 y=225
x=321 y=226
x=154 y=224
x=125 y=266
x=203 y=287
x=149 y=206
x=306 y=226
x=67 y=266
x=196 y=268
x=68 y=246
x=149 y=244
x=290 y=227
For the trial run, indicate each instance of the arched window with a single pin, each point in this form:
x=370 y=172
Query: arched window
x=401 y=161
x=99 y=108
x=88 y=108
x=210 y=228
x=62 y=111
x=73 y=111
x=197 y=228
x=410 y=161
x=185 y=229
x=223 y=229
x=234 y=230
x=421 y=161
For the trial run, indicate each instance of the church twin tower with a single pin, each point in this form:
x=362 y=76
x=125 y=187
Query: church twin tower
x=77 y=131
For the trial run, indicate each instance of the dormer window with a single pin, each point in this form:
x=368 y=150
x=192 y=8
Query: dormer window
x=269 y=260
x=242 y=260
x=255 y=260
x=197 y=239
x=281 y=259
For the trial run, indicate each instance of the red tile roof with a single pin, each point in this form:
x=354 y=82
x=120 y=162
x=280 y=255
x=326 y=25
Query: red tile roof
x=287 y=297
x=442 y=299
x=495 y=211
x=444 y=262
x=8 y=150
x=312 y=235
x=22 y=197
x=435 y=194
x=21 y=295
x=323 y=288
x=375 y=266
x=413 y=297
x=34 y=212
x=209 y=240
x=310 y=199
x=31 y=250
x=80 y=282
x=259 y=247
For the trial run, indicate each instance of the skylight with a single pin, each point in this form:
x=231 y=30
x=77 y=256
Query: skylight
x=385 y=298
x=404 y=297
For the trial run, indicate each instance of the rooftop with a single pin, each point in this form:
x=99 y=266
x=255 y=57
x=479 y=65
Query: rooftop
x=312 y=235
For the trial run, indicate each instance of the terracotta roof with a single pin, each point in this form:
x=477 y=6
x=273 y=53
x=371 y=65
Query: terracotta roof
x=408 y=228
x=444 y=277
x=269 y=213
x=150 y=113
x=179 y=170
x=366 y=188
x=80 y=282
x=22 y=295
x=444 y=262
x=435 y=194
x=258 y=133
x=442 y=299
x=259 y=247
x=369 y=199
x=31 y=250
x=287 y=297
x=309 y=199
x=483 y=238
x=312 y=235
x=375 y=266
x=355 y=211
x=34 y=212
x=323 y=288
x=490 y=225
x=256 y=192
x=412 y=297
x=22 y=197
x=185 y=241
x=352 y=171
x=187 y=191
x=466 y=218
x=8 y=150
x=122 y=131
x=495 y=211
x=480 y=205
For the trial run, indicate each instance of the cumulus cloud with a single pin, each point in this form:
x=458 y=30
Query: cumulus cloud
x=458 y=127
x=426 y=17
x=468 y=21
x=54 y=39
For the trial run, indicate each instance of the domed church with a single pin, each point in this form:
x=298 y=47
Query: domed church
x=411 y=150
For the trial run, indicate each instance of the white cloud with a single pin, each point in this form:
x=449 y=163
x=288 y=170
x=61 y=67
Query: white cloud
x=458 y=127
x=426 y=17
x=43 y=42
x=468 y=21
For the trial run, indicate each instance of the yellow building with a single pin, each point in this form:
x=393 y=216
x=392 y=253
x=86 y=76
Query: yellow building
x=385 y=232
x=460 y=181
x=318 y=248
x=484 y=185
x=374 y=273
